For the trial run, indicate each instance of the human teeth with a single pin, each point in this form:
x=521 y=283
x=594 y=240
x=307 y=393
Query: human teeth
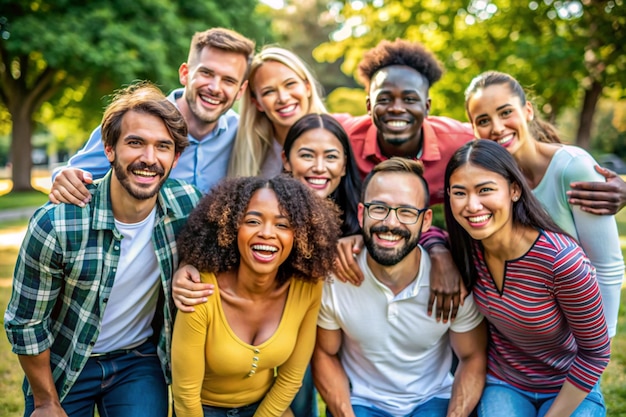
x=397 y=123
x=317 y=181
x=389 y=237
x=265 y=248
x=505 y=139
x=210 y=100
x=287 y=109
x=145 y=173
x=480 y=219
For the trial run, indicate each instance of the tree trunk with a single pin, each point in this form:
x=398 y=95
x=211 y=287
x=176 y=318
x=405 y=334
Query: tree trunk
x=592 y=95
x=21 y=148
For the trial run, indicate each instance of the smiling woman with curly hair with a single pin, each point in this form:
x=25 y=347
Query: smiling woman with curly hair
x=264 y=244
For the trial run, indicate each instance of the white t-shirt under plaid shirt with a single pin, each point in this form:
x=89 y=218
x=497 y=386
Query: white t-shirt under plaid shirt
x=65 y=271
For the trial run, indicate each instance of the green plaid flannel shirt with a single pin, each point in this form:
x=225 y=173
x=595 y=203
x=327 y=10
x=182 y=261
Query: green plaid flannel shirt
x=65 y=271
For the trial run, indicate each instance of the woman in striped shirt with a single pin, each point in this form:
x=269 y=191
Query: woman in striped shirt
x=549 y=341
x=499 y=110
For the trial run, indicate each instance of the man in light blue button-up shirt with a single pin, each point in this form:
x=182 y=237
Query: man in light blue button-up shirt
x=214 y=77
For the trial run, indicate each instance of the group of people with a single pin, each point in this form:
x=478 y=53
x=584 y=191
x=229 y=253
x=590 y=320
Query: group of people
x=245 y=259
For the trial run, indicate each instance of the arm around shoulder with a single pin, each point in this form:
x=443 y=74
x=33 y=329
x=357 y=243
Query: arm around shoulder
x=90 y=157
x=599 y=197
x=447 y=291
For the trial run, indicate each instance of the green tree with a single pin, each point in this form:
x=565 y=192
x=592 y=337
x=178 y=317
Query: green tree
x=562 y=50
x=602 y=31
x=50 y=47
x=302 y=25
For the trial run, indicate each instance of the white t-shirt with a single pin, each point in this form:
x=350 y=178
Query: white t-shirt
x=395 y=355
x=129 y=312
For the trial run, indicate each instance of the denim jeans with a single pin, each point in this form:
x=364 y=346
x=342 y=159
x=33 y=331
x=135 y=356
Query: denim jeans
x=500 y=399
x=126 y=385
x=436 y=407
x=304 y=403
x=245 y=411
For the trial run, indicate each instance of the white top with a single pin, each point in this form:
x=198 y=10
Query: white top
x=597 y=235
x=395 y=355
x=129 y=312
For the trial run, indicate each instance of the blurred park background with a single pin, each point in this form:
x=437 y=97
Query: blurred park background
x=60 y=60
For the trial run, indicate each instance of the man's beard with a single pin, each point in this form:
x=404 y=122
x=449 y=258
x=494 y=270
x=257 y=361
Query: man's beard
x=137 y=191
x=389 y=256
x=201 y=114
x=397 y=141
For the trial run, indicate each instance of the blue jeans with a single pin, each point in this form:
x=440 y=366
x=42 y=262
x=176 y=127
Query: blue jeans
x=304 y=403
x=245 y=411
x=500 y=399
x=123 y=385
x=436 y=407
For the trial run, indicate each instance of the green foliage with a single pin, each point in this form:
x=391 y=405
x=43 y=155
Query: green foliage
x=5 y=143
x=70 y=54
x=21 y=199
x=117 y=40
x=610 y=135
x=347 y=100
x=300 y=27
x=554 y=53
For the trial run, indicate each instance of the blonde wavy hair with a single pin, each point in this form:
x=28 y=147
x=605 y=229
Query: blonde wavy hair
x=256 y=133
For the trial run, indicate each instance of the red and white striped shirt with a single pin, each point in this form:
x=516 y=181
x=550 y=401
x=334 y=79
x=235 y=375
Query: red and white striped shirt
x=547 y=325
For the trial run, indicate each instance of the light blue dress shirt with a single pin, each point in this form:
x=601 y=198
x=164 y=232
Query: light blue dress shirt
x=203 y=163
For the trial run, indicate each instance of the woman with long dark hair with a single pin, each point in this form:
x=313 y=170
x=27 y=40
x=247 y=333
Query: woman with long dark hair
x=317 y=152
x=498 y=109
x=548 y=338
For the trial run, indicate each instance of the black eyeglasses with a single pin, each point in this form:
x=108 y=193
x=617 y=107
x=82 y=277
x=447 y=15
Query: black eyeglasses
x=405 y=215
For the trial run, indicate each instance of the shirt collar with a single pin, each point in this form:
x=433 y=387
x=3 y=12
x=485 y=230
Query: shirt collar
x=430 y=148
x=370 y=147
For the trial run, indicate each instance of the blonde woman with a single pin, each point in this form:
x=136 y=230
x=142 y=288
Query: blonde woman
x=281 y=89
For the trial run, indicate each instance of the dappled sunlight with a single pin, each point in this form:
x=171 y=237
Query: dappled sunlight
x=5 y=186
x=12 y=237
x=40 y=181
x=42 y=184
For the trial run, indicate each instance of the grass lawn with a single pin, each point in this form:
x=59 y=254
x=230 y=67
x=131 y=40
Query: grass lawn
x=22 y=199
x=11 y=400
x=613 y=379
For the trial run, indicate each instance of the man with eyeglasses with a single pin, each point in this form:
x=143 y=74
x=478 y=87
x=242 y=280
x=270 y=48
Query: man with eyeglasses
x=398 y=76
x=378 y=352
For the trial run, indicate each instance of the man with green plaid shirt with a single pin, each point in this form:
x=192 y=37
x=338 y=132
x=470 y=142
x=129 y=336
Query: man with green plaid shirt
x=90 y=316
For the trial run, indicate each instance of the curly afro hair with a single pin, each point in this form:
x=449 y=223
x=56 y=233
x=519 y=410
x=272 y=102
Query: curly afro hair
x=399 y=52
x=209 y=240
